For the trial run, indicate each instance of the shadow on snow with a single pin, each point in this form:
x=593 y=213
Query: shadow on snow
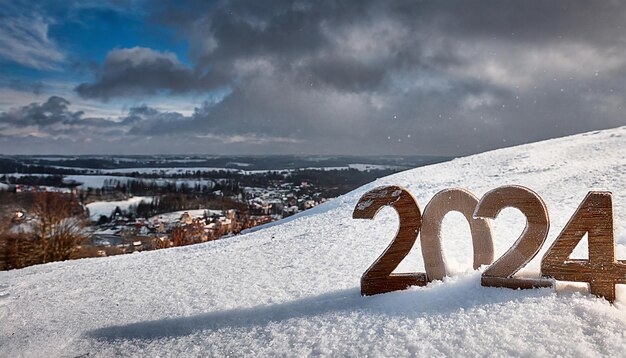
x=435 y=299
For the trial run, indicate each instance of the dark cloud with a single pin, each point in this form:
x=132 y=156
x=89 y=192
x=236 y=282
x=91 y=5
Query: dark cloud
x=54 y=119
x=359 y=77
x=145 y=114
x=54 y=110
x=140 y=71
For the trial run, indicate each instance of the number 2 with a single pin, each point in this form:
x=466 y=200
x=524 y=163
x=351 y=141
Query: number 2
x=379 y=277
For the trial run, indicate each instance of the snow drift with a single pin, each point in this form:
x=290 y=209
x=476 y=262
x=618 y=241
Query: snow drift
x=292 y=289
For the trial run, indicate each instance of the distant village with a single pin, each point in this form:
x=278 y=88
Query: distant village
x=124 y=230
x=124 y=234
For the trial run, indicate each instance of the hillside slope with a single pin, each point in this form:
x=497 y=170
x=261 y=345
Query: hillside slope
x=292 y=289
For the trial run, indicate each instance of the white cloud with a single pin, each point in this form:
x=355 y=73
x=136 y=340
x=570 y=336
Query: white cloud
x=516 y=66
x=474 y=101
x=141 y=55
x=24 y=40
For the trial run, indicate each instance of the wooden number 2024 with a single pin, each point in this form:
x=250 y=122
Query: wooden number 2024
x=594 y=217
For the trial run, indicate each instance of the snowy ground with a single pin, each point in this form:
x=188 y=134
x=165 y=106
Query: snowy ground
x=292 y=288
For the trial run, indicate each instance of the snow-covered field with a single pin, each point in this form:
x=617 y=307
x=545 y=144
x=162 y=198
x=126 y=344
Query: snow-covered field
x=98 y=208
x=95 y=181
x=292 y=288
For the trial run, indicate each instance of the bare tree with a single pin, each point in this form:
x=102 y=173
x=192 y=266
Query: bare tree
x=16 y=249
x=57 y=230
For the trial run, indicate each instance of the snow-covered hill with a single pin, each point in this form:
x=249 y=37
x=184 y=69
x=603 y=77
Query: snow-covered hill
x=292 y=289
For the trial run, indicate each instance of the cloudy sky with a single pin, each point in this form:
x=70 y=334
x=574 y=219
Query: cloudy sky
x=306 y=77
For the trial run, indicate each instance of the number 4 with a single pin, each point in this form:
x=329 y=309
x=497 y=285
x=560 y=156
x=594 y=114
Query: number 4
x=595 y=217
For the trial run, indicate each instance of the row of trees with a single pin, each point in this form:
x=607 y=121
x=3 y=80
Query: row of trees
x=35 y=180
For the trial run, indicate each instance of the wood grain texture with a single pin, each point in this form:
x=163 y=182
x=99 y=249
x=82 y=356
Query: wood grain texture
x=527 y=245
x=602 y=271
x=445 y=201
x=379 y=277
x=515 y=282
